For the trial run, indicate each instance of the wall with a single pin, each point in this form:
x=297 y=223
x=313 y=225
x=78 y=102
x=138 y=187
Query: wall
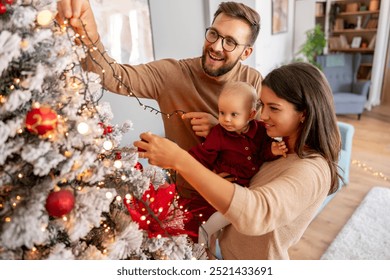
x=302 y=23
x=178 y=32
x=273 y=50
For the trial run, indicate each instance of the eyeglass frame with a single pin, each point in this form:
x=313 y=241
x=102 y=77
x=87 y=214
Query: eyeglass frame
x=223 y=40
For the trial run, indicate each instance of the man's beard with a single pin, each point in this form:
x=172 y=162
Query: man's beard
x=220 y=71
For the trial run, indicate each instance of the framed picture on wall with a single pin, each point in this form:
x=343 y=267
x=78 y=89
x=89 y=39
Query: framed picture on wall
x=279 y=16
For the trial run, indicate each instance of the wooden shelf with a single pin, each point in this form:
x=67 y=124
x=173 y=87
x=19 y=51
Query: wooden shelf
x=363 y=30
x=357 y=13
x=343 y=17
x=362 y=50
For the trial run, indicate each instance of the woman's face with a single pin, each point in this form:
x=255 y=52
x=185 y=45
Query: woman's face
x=280 y=117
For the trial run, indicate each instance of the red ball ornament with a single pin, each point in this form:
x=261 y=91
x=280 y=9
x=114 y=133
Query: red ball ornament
x=9 y=2
x=42 y=121
x=60 y=203
x=3 y=9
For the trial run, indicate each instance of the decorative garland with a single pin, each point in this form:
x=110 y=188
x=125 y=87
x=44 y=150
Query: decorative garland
x=369 y=169
x=130 y=91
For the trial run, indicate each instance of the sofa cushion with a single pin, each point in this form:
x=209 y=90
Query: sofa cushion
x=343 y=97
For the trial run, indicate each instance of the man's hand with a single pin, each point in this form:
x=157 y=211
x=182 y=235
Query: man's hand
x=79 y=13
x=201 y=122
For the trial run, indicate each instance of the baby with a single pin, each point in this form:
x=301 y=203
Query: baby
x=238 y=145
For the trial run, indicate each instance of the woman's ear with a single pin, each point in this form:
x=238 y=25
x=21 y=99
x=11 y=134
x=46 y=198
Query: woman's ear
x=303 y=117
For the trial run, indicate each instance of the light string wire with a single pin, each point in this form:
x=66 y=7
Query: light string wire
x=93 y=48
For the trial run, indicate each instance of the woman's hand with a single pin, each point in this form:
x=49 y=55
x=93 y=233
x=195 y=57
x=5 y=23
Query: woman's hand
x=201 y=122
x=158 y=150
x=166 y=154
x=79 y=13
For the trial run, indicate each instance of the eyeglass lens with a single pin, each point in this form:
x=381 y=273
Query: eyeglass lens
x=228 y=44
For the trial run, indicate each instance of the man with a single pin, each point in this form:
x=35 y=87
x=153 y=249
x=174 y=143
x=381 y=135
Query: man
x=187 y=85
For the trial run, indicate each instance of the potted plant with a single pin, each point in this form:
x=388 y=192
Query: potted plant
x=313 y=46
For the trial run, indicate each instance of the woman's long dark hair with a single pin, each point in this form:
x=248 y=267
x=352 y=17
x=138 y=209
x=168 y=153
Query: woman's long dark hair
x=305 y=86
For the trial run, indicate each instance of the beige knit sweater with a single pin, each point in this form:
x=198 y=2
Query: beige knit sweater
x=272 y=214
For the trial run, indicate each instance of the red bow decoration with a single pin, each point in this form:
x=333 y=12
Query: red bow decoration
x=156 y=214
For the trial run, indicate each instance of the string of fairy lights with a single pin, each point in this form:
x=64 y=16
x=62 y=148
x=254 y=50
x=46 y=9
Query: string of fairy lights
x=375 y=173
x=130 y=91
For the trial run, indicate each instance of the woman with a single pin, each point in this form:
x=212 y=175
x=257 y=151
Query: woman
x=272 y=214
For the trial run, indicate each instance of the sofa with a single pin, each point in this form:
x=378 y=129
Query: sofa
x=346 y=131
x=350 y=94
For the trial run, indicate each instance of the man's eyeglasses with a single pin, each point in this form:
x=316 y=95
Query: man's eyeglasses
x=228 y=44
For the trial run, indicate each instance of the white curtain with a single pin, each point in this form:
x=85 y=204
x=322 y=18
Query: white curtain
x=382 y=39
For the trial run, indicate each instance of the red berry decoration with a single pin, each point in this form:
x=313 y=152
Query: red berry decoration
x=59 y=203
x=9 y=2
x=139 y=166
x=41 y=121
x=108 y=129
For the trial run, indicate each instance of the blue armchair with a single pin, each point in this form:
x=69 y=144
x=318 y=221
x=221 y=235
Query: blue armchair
x=346 y=131
x=350 y=95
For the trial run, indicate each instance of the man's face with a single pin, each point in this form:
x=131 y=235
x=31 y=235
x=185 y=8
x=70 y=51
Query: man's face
x=215 y=60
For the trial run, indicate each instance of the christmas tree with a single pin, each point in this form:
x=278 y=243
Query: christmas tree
x=67 y=189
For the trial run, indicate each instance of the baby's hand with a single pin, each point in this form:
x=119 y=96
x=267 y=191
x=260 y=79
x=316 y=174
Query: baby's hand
x=279 y=148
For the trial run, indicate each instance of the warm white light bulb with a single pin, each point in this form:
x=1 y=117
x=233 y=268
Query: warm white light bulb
x=109 y=195
x=44 y=17
x=83 y=128
x=107 y=145
x=118 y=164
